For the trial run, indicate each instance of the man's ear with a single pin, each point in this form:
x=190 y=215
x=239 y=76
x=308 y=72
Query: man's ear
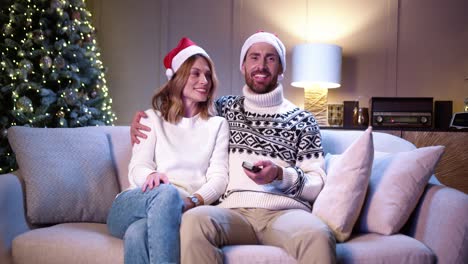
x=243 y=69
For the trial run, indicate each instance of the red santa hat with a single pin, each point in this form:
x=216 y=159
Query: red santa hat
x=176 y=57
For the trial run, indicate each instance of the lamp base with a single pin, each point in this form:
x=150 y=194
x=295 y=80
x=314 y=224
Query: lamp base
x=315 y=101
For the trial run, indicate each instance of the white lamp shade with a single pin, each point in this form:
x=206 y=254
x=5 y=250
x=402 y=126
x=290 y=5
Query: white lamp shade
x=316 y=65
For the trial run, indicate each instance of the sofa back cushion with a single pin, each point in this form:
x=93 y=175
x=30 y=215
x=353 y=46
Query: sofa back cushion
x=68 y=173
x=336 y=141
x=397 y=182
x=120 y=147
x=341 y=199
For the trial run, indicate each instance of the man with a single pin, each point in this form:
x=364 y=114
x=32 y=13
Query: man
x=271 y=206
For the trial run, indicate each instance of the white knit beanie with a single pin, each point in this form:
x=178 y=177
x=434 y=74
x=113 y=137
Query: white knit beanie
x=268 y=38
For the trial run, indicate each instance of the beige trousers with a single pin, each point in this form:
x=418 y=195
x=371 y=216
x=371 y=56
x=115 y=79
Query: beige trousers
x=206 y=229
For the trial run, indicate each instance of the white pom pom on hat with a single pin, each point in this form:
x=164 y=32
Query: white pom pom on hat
x=266 y=37
x=177 y=56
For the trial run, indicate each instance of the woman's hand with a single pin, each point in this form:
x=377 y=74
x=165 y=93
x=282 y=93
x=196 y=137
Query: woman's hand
x=136 y=128
x=153 y=180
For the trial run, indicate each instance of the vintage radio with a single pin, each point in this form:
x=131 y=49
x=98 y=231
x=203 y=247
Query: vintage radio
x=401 y=112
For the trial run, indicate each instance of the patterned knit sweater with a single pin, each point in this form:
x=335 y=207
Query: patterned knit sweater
x=268 y=126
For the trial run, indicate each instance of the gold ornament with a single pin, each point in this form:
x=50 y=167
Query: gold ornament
x=60 y=114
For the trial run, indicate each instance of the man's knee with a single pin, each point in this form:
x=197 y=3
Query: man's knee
x=321 y=234
x=197 y=223
x=195 y=217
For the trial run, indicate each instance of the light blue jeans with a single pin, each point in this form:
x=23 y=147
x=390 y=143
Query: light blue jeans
x=148 y=222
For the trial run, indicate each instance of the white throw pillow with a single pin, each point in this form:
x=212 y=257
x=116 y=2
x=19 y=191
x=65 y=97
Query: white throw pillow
x=68 y=173
x=396 y=184
x=342 y=197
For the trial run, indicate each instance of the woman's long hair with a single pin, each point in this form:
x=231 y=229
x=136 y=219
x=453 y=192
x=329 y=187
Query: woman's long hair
x=168 y=100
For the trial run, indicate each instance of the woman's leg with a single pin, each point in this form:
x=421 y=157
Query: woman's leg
x=135 y=243
x=164 y=216
x=162 y=208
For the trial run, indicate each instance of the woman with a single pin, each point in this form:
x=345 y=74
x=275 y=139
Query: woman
x=182 y=164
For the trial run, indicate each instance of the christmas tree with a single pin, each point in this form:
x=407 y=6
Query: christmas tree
x=51 y=74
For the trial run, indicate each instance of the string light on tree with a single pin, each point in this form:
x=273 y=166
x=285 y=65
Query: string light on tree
x=50 y=70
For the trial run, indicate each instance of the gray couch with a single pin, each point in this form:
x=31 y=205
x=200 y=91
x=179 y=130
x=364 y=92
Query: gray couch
x=437 y=230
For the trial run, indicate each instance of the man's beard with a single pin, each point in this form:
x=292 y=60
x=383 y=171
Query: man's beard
x=263 y=88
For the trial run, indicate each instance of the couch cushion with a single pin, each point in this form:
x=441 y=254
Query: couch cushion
x=375 y=248
x=68 y=173
x=396 y=184
x=68 y=243
x=90 y=243
x=256 y=254
x=342 y=197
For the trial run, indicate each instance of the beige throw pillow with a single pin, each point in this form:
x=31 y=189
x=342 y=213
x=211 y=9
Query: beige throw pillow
x=396 y=184
x=340 y=201
x=68 y=173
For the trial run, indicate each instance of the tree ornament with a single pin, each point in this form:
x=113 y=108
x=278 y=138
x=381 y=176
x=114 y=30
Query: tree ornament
x=93 y=93
x=38 y=36
x=60 y=114
x=70 y=96
x=3 y=133
x=59 y=44
x=45 y=63
x=54 y=4
x=88 y=38
x=85 y=28
x=74 y=68
x=24 y=104
x=59 y=62
x=76 y=15
x=21 y=53
x=21 y=74
x=27 y=65
x=8 y=29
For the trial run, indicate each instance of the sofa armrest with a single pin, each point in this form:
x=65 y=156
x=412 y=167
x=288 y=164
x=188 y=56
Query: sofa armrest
x=440 y=221
x=12 y=217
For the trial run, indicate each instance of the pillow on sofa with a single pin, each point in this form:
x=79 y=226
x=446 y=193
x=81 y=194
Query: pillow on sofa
x=396 y=184
x=68 y=174
x=342 y=197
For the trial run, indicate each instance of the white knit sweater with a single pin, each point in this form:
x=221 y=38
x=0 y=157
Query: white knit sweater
x=192 y=153
x=267 y=126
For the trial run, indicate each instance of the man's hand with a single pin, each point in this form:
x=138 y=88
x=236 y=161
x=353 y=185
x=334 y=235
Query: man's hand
x=153 y=180
x=136 y=127
x=268 y=174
